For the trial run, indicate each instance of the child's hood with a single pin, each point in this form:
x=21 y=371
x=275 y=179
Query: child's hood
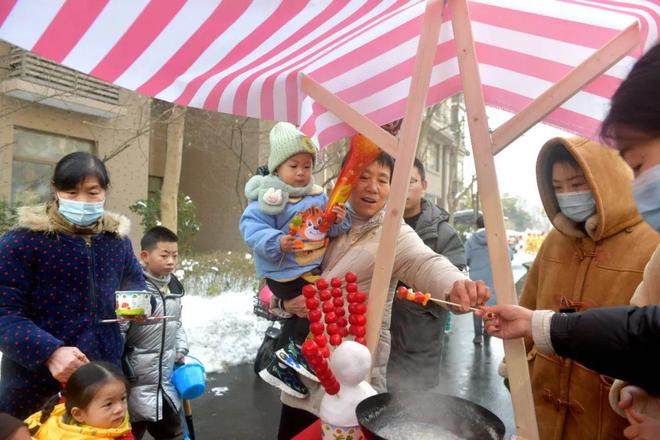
x=39 y=219
x=55 y=428
x=273 y=194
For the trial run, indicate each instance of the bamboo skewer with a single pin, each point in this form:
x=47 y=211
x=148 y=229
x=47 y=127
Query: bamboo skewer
x=449 y=303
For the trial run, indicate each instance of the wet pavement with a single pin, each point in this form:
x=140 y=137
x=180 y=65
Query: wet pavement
x=239 y=405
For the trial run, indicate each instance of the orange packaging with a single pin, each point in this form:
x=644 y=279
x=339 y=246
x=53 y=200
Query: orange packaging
x=361 y=154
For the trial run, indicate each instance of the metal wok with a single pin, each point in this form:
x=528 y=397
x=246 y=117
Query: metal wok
x=424 y=415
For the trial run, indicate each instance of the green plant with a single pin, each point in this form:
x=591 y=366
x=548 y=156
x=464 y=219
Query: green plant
x=213 y=273
x=187 y=222
x=7 y=216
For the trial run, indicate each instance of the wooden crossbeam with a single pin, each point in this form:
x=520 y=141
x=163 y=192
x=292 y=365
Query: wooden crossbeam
x=348 y=114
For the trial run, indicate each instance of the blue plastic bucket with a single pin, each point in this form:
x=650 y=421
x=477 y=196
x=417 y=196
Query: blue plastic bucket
x=189 y=379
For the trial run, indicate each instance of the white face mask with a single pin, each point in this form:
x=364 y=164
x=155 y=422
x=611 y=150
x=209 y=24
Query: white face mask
x=578 y=206
x=646 y=191
x=81 y=213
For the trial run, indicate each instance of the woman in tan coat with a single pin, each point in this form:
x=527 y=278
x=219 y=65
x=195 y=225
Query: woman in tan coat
x=414 y=263
x=594 y=257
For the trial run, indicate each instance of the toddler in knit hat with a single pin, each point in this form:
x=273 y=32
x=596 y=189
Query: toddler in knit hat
x=281 y=226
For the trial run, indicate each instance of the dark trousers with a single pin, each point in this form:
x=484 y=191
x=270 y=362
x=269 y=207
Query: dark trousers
x=167 y=428
x=295 y=328
x=293 y=421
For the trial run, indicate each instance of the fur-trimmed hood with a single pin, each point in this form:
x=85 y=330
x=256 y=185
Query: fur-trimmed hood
x=37 y=218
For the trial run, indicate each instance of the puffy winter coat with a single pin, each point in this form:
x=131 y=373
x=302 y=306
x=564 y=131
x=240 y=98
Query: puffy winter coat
x=417 y=331
x=414 y=264
x=598 y=266
x=54 y=289
x=54 y=428
x=150 y=354
x=262 y=233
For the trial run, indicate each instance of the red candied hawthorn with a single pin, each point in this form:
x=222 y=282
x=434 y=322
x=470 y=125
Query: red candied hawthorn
x=336 y=282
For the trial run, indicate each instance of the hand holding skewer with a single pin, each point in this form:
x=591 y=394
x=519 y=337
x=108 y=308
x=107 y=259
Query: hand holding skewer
x=417 y=297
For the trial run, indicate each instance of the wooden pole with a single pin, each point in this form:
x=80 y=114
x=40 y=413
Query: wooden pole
x=409 y=134
x=348 y=114
x=170 y=190
x=558 y=93
x=516 y=357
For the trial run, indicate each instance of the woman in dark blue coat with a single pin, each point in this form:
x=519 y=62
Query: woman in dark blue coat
x=59 y=270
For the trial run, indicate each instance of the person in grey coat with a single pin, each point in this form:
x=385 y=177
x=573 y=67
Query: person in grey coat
x=478 y=261
x=153 y=347
x=417 y=331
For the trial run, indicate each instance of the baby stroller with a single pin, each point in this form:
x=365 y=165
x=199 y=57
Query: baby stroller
x=262 y=308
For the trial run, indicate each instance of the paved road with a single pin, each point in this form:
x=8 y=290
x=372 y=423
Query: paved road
x=238 y=405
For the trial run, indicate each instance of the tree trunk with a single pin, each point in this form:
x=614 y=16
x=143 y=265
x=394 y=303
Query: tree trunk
x=170 y=189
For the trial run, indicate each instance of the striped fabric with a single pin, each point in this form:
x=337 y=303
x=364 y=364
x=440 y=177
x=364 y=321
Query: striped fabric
x=245 y=57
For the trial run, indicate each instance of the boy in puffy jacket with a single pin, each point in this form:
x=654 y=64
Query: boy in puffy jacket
x=153 y=347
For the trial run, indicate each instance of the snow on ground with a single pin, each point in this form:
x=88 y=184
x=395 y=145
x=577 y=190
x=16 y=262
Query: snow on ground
x=222 y=330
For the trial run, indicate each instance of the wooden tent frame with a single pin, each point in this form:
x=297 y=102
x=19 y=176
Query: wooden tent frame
x=485 y=145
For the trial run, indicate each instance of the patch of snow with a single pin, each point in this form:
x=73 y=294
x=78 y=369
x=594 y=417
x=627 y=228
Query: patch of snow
x=222 y=330
x=219 y=391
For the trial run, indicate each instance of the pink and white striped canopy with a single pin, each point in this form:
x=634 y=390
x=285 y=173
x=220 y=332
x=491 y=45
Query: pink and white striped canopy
x=245 y=57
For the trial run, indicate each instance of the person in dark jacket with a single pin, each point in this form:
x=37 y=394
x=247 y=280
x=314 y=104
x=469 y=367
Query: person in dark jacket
x=615 y=341
x=59 y=270
x=417 y=331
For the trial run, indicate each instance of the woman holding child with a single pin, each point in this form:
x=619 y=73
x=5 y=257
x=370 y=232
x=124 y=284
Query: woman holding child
x=59 y=270
x=415 y=264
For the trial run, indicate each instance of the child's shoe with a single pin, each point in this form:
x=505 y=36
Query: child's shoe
x=284 y=378
x=292 y=356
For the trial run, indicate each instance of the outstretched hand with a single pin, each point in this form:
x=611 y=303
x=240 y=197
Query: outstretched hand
x=507 y=321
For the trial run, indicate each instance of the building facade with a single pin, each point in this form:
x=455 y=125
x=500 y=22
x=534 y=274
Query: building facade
x=442 y=150
x=48 y=111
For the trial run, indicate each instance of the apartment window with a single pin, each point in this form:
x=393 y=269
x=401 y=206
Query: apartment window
x=433 y=157
x=34 y=157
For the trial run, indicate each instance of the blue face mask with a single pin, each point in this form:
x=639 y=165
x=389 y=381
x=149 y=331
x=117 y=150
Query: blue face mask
x=646 y=191
x=578 y=206
x=81 y=213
